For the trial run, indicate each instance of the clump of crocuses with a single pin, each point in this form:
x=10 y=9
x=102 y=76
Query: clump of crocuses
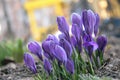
x=62 y=57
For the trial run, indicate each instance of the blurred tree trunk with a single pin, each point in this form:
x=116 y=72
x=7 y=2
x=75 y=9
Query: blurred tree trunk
x=9 y=33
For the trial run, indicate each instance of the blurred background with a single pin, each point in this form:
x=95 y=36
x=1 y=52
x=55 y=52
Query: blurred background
x=25 y=20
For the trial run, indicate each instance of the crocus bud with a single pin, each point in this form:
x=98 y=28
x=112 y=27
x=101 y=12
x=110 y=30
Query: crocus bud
x=102 y=42
x=69 y=65
x=48 y=47
x=76 y=19
x=30 y=63
x=35 y=48
x=48 y=44
x=67 y=47
x=62 y=25
x=96 y=24
x=60 y=54
x=89 y=20
x=47 y=66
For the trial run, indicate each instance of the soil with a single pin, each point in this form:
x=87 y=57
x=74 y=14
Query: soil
x=15 y=72
x=111 y=68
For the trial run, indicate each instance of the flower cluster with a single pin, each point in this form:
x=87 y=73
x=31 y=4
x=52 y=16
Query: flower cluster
x=62 y=57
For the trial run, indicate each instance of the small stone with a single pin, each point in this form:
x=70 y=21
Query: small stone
x=11 y=65
x=9 y=78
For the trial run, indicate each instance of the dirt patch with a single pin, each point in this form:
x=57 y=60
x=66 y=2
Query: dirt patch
x=111 y=69
x=15 y=72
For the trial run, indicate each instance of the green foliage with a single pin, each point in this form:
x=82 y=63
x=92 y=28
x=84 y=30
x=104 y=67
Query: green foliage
x=4 y=51
x=12 y=49
x=17 y=51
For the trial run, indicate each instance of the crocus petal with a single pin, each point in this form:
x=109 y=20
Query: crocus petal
x=76 y=31
x=60 y=54
x=69 y=66
x=92 y=20
x=92 y=43
x=53 y=38
x=47 y=66
x=62 y=25
x=73 y=41
x=96 y=24
x=79 y=45
x=35 y=48
x=85 y=21
x=95 y=45
x=67 y=47
x=102 y=42
x=87 y=38
x=90 y=47
x=62 y=36
x=30 y=63
x=46 y=55
x=76 y=19
x=89 y=19
x=48 y=47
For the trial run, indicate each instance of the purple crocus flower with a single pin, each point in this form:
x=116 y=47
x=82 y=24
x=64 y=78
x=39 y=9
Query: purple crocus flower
x=96 y=24
x=67 y=47
x=76 y=19
x=69 y=65
x=60 y=54
x=47 y=66
x=77 y=33
x=102 y=42
x=89 y=20
x=63 y=27
x=35 y=48
x=76 y=23
x=48 y=46
x=90 y=47
x=30 y=63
